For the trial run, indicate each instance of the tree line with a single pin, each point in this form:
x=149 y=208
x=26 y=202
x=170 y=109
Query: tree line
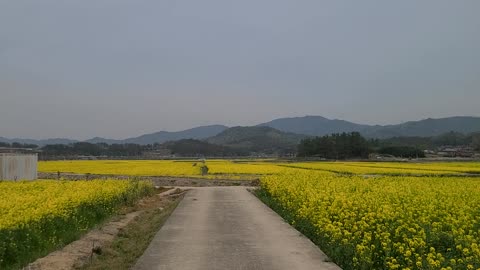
x=90 y=149
x=450 y=138
x=353 y=145
x=182 y=148
x=334 y=146
x=18 y=145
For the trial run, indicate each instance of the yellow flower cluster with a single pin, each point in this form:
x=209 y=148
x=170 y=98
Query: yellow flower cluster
x=124 y=167
x=434 y=167
x=391 y=168
x=188 y=168
x=37 y=217
x=383 y=222
x=240 y=168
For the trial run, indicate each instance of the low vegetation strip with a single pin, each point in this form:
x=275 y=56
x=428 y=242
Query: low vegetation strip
x=384 y=222
x=134 y=239
x=178 y=181
x=236 y=168
x=41 y=216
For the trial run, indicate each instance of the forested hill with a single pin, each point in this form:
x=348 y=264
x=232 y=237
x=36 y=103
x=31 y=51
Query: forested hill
x=257 y=139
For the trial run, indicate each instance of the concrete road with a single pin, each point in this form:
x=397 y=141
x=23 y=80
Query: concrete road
x=229 y=228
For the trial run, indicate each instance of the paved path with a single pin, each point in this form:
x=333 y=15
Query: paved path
x=229 y=228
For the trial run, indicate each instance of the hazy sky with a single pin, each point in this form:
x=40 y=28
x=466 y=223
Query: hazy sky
x=116 y=68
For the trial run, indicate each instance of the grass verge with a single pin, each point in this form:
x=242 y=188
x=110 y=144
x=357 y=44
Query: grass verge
x=133 y=240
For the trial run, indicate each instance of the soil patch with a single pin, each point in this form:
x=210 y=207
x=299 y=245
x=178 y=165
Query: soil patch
x=157 y=180
x=86 y=249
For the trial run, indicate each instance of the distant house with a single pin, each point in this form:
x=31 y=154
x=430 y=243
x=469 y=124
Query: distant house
x=456 y=151
x=83 y=157
x=158 y=154
x=18 y=164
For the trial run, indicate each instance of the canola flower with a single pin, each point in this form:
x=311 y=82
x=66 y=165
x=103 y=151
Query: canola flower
x=38 y=217
x=434 y=167
x=388 y=222
x=390 y=168
x=242 y=169
x=124 y=167
x=187 y=168
x=383 y=222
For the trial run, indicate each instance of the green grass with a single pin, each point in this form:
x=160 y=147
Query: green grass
x=133 y=240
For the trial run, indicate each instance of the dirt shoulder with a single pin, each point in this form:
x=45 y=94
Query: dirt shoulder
x=96 y=243
x=157 y=180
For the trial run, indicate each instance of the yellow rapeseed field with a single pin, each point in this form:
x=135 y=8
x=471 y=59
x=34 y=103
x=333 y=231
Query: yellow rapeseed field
x=40 y=216
x=383 y=222
x=433 y=167
x=124 y=167
x=238 y=168
x=391 y=168
x=365 y=215
x=186 y=168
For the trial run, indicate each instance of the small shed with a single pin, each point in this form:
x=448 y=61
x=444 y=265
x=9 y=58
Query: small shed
x=18 y=166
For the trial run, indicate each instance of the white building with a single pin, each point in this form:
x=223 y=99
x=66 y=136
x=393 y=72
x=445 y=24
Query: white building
x=16 y=166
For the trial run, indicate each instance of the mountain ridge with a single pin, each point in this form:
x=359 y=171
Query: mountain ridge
x=304 y=125
x=201 y=132
x=320 y=126
x=313 y=125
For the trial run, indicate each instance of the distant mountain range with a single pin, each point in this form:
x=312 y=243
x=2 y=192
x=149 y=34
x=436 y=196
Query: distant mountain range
x=290 y=129
x=319 y=126
x=199 y=133
x=37 y=142
x=164 y=136
x=425 y=128
x=314 y=125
